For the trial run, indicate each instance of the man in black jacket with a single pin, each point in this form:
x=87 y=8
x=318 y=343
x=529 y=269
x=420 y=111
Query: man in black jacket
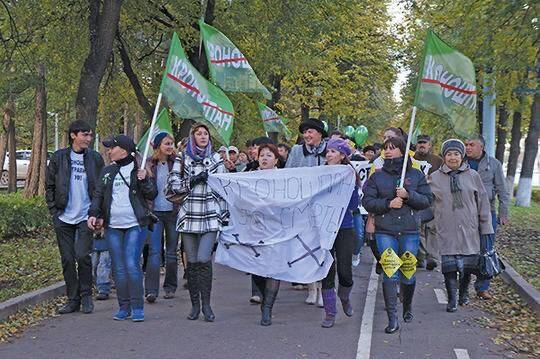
x=71 y=178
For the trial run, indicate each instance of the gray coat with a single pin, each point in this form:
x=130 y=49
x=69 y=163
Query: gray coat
x=458 y=231
x=491 y=172
x=304 y=156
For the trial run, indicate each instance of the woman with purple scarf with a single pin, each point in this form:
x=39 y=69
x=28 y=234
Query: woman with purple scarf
x=200 y=215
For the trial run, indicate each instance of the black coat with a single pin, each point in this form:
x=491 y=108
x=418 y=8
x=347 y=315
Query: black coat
x=140 y=193
x=380 y=189
x=58 y=177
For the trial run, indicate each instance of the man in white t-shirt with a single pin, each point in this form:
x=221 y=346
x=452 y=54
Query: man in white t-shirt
x=70 y=181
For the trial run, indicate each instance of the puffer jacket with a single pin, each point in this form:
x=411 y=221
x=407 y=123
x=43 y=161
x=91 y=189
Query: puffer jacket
x=380 y=189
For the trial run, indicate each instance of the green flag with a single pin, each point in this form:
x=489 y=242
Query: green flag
x=272 y=122
x=192 y=96
x=417 y=132
x=447 y=85
x=229 y=69
x=163 y=124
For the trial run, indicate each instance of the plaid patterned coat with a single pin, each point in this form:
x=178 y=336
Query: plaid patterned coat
x=203 y=210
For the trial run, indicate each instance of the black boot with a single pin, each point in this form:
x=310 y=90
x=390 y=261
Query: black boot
x=87 y=306
x=408 y=293
x=450 y=281
x=390 y=301
x=192 y=275
x=269 y=297
x=464 y=282
x=205 y=286
x=70 y=307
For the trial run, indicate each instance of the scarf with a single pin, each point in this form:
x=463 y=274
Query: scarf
x=197 y=153
x=125 y=161
x=455 y=189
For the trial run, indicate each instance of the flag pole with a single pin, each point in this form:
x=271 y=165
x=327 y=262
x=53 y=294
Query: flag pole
x=406 y=154
x=151 y=130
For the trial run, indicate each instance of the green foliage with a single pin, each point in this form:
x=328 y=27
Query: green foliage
x=22 y=215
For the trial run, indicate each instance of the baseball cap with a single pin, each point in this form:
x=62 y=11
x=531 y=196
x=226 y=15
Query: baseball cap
x=423 y=138
x=234 y=149
x=121 y=141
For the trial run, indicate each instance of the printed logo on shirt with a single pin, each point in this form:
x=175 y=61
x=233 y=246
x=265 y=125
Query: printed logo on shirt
x=77 y=168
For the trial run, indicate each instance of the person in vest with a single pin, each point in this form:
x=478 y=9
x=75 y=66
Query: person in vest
x=120 y=205
x=71 y=178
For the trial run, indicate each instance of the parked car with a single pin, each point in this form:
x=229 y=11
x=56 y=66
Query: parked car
x=23 y=161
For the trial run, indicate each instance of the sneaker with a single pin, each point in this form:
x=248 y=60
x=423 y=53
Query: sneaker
x=298 y=287
x=255 y=299
x=150 y=298
x=355 y=260
x=122 y=315
x=168 y=295
x=70 y=307
x=102 y=296
x=484 y=295
x=138 y=315
x=87 y=306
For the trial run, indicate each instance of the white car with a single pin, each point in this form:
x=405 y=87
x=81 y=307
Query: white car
x=23 y=161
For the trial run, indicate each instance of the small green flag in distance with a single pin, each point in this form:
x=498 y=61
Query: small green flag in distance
x=163 y=124
x=447 y=85
x=229 y=68
x=192 y=96
x=272 y=122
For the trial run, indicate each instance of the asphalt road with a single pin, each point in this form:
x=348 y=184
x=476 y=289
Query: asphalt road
x=295 y=333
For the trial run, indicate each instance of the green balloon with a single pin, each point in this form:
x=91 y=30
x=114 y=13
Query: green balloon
x=360 y=135
x=349 y=131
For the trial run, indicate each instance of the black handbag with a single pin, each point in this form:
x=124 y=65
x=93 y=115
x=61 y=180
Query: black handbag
x=490 y=264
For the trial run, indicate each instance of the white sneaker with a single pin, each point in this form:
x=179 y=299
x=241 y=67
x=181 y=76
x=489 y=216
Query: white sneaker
x=355 y=260
x=312 y=293
x=255 y=299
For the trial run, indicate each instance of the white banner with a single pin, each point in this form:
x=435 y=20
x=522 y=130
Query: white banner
x=283 y=223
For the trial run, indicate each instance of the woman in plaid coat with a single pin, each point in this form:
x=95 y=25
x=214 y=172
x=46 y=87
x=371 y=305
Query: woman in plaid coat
x=200 y=215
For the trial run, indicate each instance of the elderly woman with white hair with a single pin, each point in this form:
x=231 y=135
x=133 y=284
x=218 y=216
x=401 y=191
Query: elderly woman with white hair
x=462 y=215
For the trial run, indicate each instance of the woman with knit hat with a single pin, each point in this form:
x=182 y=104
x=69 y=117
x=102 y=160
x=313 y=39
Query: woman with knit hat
x=160 y=165
x=337 y=153
x=397 y=225
x=462 y=215
x=200 y=215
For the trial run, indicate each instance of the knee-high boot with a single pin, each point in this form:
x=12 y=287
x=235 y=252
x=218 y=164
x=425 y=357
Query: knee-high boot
x=329 y=301
x=464 y=281
x=205 y=286
x=450 y=282
x=344 y=294
x=408 y=293
x=192 y=275
x=269 y=297
x=390 y=301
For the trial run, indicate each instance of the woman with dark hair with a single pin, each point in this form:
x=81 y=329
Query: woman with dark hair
x=397 y=223
x=268 y=160
x=337 y=153
x=160 y=164
x=200 y=215
x=462 y=214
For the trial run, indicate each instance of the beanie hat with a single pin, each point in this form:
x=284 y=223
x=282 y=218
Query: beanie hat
x=453 y=144
x=315 y=124
x=339 y=145
x=158 y=138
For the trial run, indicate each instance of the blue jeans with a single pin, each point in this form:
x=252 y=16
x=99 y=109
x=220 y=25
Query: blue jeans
x=400 y=244
x=358 y=221
x=125 y=247
x=101 y=269
x=483 y=284
x=167 y=224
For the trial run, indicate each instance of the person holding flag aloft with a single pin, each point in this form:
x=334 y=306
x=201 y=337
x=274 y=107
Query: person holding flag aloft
x=200 y=215
x=397 y=225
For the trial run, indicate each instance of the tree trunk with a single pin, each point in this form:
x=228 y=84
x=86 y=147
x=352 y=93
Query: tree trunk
x=139 y=123
x=38 y=159
x=502 y=132
x=515 y=150
x=103 y=24
x=480 y=113
x=4 y=137
x=524 y=190
x=9 y=125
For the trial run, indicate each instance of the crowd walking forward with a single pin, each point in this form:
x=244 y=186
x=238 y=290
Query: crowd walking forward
x=200 y=215
x=120 y=205
x=71 y=177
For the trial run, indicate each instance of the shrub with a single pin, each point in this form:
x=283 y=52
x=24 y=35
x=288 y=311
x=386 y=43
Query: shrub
x=19 y=215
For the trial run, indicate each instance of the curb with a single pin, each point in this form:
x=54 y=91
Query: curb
x=529 y=294
x=13 y=305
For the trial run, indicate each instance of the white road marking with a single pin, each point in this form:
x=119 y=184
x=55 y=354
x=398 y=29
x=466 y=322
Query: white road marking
x=462 y=354
x=441 y=296
x=366 y=328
